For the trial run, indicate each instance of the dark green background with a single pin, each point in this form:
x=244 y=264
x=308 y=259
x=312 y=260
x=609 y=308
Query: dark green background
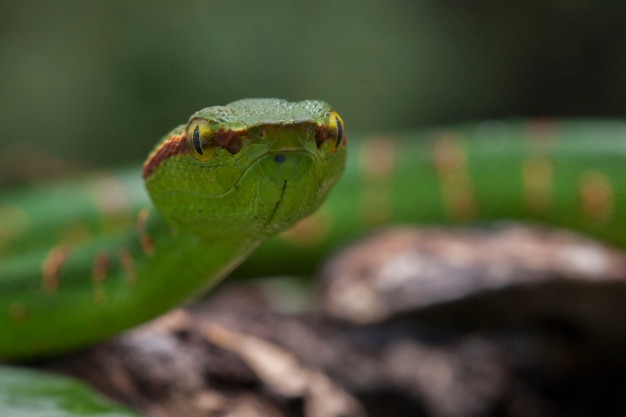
x=95 y=82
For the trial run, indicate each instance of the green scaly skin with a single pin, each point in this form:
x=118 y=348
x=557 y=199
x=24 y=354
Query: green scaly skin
x=250 y=170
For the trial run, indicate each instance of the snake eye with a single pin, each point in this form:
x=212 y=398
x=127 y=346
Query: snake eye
x=335 y=131
x=337 y=124
x=200 y=139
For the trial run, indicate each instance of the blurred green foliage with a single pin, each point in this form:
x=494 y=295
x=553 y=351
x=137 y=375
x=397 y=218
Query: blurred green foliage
x=28 y=393
x=99 y=82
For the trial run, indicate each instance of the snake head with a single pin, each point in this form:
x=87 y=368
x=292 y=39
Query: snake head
x=250 y=168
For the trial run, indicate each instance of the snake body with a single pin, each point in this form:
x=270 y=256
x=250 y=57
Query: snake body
x=565 y=174
x=221 y=184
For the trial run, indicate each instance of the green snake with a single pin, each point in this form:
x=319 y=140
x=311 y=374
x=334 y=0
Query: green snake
x=82 y=261
x=221 y=184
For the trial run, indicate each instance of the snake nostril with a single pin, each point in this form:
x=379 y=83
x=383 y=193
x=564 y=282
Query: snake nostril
x=280 y=158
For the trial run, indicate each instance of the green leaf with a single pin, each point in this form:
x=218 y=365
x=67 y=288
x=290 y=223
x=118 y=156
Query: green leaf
x=28 y=393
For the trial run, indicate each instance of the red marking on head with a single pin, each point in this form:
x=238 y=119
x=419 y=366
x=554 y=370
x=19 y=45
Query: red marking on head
x=223 y=137
x=322 y=132
x=174 y=145
x=230 y=139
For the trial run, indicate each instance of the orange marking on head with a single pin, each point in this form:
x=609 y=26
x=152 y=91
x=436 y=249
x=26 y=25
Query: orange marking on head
x=51 y=268
x=100 y=269
x=309 y=231
x=17 y=311
x=537 y=182
x=376 y=161
x=596 y=196
x=174 y=145
x=128 y=264
x=231 y=140
x=450 y=162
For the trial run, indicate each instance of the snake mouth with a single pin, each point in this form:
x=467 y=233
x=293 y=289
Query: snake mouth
x=278 y=202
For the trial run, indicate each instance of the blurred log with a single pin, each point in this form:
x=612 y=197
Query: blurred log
x=508 y=321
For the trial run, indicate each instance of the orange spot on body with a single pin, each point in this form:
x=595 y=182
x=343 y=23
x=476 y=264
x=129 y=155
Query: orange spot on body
x=128 y=264
x=51 y=268
x=596 y=196
x=538 y=170
x=537 y=181
x=376 y=161
x=101 y=265
x=146 y=241
x=174 y=145
x=100 y=269
x=450 y=163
